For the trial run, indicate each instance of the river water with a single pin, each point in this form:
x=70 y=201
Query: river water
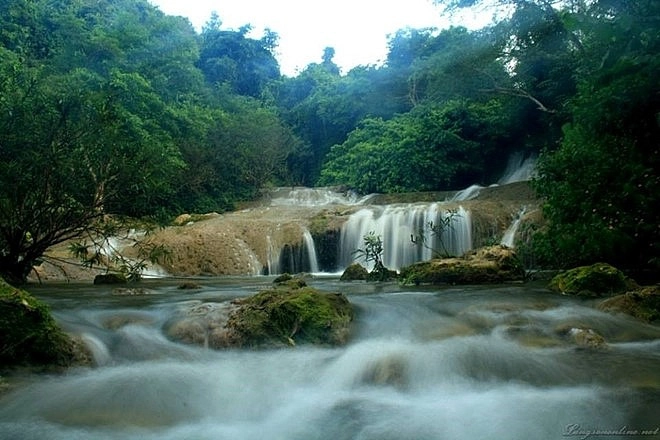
x=492 y=362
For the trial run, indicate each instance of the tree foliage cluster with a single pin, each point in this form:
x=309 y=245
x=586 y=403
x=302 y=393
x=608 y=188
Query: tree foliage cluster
x=112 y=107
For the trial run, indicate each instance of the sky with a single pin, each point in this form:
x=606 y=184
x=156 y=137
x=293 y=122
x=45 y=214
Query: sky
x=357 y=29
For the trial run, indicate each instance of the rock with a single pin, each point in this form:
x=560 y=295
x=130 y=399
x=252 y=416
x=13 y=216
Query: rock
x=491 y=264
x=110 y=278
x=597 y=280
x=583 y=337
x=354 y=272
x=642 y=303
x=30 y=335
x=189 y=285
x=278 y=317
x=286 y=280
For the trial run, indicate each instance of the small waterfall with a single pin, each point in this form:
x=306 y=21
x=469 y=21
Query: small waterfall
x=314 y=197
x=395 y=224
x=509 y=236
x=468 y=193
x=272 y=256
x=310 y=249
x=519 y=169
x=292 y=258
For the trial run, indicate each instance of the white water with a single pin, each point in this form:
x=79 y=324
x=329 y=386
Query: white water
x=395 y=224
x=435 y=365
x=310 y=251
x=300 y=196
x=519 y=168
x=508 y=239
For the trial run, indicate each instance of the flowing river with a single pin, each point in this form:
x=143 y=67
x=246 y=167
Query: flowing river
x=486 y=362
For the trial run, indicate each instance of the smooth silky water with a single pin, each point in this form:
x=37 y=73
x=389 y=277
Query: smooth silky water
x=424 y=363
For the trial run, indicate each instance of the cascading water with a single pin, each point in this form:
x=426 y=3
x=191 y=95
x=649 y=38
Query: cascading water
x=310 y=251
x=474 y=363
x=396 y=224
x=508 y=239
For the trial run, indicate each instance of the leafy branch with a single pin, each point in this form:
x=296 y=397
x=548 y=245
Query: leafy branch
x=433 y=229
x=106 y=245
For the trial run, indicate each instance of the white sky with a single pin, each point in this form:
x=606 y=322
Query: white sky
x=356 y=29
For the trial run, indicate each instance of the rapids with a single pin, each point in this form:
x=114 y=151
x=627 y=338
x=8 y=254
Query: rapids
x=424 y=363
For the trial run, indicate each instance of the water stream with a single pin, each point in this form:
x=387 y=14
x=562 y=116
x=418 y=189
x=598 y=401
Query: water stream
x=424 y=363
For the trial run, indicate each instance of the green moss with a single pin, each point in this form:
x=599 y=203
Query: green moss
x=643 y=304
x=291 y=316
x=28 y=333
x=600 y=279
x=354 y=272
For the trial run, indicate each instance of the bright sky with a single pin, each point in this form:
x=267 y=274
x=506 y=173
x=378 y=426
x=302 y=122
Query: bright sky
x=356 y=29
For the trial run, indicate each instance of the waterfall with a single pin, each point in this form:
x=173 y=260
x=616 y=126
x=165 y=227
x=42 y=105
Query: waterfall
x=310 y=249
x=510 y=234
x=291 y=258
x=518 y=169
x=395 y=224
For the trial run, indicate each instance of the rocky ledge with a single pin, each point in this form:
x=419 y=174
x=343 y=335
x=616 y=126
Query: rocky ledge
x=490 y=264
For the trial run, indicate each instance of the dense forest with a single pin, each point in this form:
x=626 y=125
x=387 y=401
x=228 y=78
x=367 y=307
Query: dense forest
x=112 y=107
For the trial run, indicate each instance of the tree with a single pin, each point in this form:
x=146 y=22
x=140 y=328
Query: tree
x=601 y=185
x=230 y=57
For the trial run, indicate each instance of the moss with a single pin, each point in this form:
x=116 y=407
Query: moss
x=492 y=264
x=643 y=304
x=29 y=336
x=597 y=280
x=354 y=272
x=291 y=316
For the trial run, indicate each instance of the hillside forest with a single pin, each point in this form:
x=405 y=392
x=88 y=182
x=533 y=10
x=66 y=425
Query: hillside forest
x=113 y=107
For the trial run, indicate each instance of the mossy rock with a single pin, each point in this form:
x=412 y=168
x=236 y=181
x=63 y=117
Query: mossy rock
x=281 y=316
x=29 y=336
x=491 y=264
x=597 y=280
x=354 y=272
x=642 y=303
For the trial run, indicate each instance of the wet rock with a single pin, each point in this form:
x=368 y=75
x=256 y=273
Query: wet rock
x=583 y=337
x=189 y=285
x=282 y=316
x=597 y=280
x=30 y=336
x=491 y=264
x=642 y=303
x=354 y=272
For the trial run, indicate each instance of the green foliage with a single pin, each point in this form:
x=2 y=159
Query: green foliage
x=431 y=148
x=602 y=184
x=116 y=246
x=373 y=252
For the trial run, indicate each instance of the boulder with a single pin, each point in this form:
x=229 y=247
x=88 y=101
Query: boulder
x=597 y=280
x=582 y=337
x=278 y=317
x=29 y=336
x=642 y=303
x=354 y=272
x=491 y=264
